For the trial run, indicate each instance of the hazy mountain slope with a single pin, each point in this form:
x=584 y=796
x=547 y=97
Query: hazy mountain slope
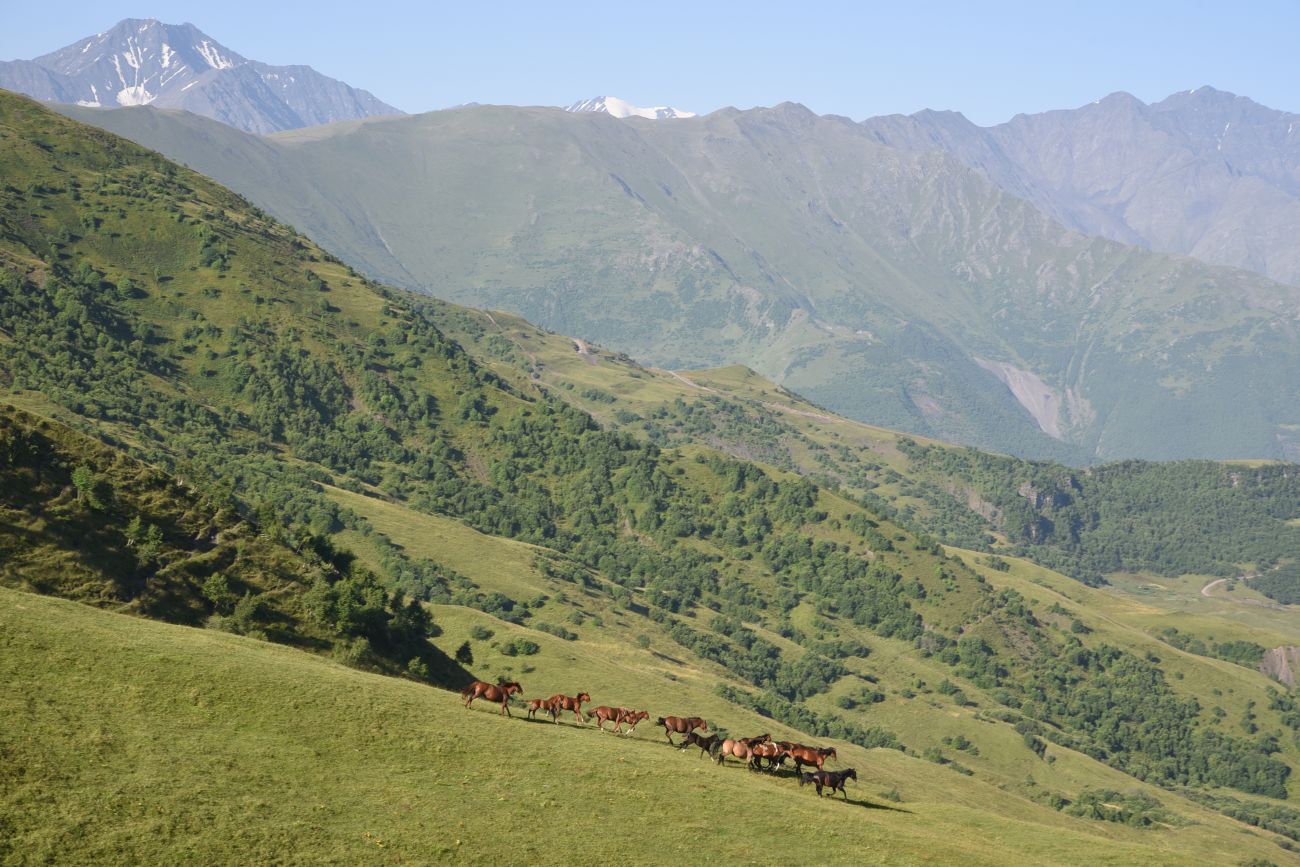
x=1203 y=172
x=902 y=289
x=146 y=62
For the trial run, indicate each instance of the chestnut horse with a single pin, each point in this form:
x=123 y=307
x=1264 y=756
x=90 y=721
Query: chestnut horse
x=631 y=717
x=681 y=725
x=740 y=748
x=541 y=704
x=564 y=702
x=811 y=756
x=491 y=692
x=834 y=779
x=604 y=714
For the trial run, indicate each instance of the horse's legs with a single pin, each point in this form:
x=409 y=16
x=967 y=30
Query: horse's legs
x=670 y=737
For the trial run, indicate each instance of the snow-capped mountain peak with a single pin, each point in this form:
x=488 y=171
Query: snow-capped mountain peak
x=148 y=62
x=616 y=107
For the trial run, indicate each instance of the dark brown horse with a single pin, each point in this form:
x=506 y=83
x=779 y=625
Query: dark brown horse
x=491 y=692
x=706 y=744
x=681 y=725
x=834 y=779
x=574 y=703
x=811 y=756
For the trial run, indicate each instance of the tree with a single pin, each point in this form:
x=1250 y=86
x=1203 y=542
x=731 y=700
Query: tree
x=218 y=592
x=90 y=489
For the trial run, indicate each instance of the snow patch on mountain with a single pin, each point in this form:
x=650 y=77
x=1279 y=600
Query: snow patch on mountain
x=621 y=108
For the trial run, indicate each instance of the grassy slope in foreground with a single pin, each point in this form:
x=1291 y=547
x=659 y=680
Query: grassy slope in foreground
x=160 y=743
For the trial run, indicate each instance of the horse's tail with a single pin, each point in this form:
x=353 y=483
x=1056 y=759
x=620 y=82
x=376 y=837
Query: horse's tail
x=660 y=722
x=464 y=693
x=805 y=777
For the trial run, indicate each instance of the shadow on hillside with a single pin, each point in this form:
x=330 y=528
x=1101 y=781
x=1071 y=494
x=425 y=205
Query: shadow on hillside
x=666 y=658
x=871 y=805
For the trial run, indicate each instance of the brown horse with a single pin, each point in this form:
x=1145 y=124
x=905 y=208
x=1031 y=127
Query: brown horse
x=834 y=779
x=604 y=714
x=491 y=692
x=681 y=725
x=775 y=754
x=740 y=748
x=811 y=756
x=541 y=704
x=706 y=744
x=631 y=717
x=574 y=703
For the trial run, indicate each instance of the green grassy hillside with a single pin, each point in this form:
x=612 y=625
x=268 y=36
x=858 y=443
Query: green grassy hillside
x=154 y=311
x=136 y=742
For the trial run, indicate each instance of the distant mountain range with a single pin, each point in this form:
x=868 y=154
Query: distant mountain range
x=1203 y=172
x=146 y=62
x=612 y=105
x=899 y=287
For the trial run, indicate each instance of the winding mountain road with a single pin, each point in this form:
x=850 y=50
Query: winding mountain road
x=1205 y=591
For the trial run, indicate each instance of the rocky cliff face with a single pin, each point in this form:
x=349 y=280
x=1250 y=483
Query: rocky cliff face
x=1282 y=664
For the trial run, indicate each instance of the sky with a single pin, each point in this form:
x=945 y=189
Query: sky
x=989 y=60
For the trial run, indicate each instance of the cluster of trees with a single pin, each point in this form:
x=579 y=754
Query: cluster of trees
x=104 y=528
x=1170 y=518
x=1281 y=583
x=1135 y=809
x=1244 y=653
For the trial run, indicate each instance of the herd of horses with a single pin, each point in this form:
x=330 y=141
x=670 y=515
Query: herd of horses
x=758 y=753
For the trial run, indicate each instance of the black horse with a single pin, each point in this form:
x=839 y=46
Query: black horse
x=706 y=744
x=834 y=779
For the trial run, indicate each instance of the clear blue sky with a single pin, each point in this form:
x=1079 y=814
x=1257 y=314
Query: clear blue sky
x=990 y=60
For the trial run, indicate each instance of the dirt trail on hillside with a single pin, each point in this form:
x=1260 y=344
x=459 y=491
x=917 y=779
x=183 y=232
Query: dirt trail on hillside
x=1259 y=603
x=584 y=351
x=677 y=376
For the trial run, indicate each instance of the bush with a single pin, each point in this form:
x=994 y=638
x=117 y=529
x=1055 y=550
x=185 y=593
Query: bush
x=520 y=647
x=558 y=631
x=479 y=632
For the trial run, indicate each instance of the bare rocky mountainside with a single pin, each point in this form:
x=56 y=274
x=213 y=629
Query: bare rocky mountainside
x=146 y=62
x=898 y=287
x=1203 y=172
